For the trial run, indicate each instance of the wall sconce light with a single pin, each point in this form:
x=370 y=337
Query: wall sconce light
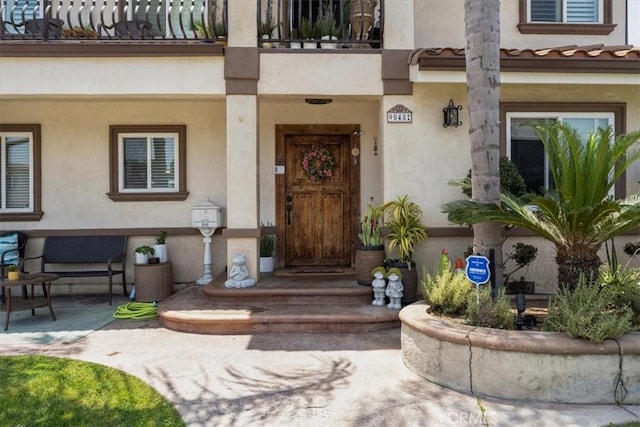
x=450 y=113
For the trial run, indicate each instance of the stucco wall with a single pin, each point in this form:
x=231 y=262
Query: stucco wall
x=75 y=169
x=106 y=76
x=434 y=31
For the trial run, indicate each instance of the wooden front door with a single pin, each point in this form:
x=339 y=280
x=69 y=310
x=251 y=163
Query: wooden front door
x=317 y=198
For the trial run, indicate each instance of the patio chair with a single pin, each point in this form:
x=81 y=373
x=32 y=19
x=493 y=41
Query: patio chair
x=129 y=30
x=50 y=28
x=12 y=249
x=33 y=28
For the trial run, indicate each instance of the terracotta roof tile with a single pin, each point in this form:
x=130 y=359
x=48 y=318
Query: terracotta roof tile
x=591 y=58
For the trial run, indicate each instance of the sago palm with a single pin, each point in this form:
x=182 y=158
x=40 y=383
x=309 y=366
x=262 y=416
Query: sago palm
x=578 y=216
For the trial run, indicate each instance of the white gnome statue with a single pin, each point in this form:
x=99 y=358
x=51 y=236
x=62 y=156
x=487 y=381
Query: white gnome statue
x=239 y=274
x=394 y=288
x=378 y=284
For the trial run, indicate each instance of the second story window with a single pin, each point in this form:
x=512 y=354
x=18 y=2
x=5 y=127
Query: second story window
x=569 y=17
x=569 y=11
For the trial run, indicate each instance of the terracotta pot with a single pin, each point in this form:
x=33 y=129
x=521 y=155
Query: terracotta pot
x=367 y=258
x=409 y=280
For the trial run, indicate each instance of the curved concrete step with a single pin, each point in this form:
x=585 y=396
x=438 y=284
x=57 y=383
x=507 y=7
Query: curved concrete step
x=197 y=309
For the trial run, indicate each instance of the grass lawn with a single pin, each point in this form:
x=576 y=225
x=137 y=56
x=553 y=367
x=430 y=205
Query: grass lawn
x=51 y=391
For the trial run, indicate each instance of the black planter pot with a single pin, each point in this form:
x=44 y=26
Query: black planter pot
x=409 y=279
x=368 y=258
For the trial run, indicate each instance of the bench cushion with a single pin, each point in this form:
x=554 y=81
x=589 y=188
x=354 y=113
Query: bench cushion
x=83 y=249
x=9 y=244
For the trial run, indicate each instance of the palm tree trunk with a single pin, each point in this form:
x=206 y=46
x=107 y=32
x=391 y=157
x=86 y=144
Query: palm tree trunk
x=482 y=56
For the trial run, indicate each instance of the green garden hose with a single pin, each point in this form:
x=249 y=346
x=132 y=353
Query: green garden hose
x=137 y=310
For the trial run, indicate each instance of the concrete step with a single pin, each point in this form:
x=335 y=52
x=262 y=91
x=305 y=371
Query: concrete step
x=312 y=305
x=308 y=289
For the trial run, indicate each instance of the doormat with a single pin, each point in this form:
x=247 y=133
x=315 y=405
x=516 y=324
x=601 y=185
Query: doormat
x=315 y=270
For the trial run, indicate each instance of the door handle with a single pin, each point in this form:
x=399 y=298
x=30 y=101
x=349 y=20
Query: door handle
x=289 y=208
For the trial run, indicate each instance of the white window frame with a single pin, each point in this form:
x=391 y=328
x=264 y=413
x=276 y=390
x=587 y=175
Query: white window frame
x=3 y=168
x=558 y=116
x=564 y=20
x=149 y=138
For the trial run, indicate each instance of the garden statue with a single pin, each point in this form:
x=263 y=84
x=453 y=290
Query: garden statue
x=394 y=288
x=239 y=274
x=378 y=284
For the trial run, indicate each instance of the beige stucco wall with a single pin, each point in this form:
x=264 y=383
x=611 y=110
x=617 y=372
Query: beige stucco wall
x=123 y=76
x=321 y=74
x=75 y=171
x=434 y=31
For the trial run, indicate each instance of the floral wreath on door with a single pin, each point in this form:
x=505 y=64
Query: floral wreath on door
x=318 y=164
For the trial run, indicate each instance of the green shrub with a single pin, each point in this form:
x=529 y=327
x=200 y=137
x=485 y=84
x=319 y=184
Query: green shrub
x=589 y=311
x=624 y=285
x=510 y=179
x=446 y=291
x=483 y=311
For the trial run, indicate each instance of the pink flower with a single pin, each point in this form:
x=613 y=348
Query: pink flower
x=327 y=172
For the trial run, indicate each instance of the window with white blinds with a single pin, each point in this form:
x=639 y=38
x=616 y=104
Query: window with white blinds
x=569 y=11
x=148 y=162
x=16 y=172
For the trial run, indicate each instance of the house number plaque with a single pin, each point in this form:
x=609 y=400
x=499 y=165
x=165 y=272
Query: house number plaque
x=399 y=114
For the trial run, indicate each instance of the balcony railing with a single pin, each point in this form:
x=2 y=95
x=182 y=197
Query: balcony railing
x=334 y=24
x=157 y=20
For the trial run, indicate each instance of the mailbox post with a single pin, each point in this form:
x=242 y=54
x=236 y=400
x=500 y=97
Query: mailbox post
x=206 y=217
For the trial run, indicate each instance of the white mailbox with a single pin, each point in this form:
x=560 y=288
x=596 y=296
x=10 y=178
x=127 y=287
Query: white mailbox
x=206 y=218
x=206 y=215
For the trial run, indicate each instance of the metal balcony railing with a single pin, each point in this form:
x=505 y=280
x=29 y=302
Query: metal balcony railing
x=334 y=24
x=157 y=20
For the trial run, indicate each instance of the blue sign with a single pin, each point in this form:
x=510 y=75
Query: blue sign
x=477 y=269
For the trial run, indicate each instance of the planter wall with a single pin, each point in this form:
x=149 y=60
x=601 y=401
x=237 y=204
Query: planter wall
x=518 y=365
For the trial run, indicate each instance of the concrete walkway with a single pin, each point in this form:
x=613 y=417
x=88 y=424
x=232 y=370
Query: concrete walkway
x=301 y=380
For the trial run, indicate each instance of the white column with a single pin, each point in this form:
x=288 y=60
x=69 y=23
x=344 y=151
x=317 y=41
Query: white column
x=242 y=180
x=243 y=31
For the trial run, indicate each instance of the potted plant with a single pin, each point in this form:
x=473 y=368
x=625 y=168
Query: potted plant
x=142 y=254
x=307 y=32
x=370 y=251
x=160 y=248
x=220 y=31
x=327 y=28
x=402 y=218
x=267 y=246
x=294 y=36
x=266 y=28
x=12 y=272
